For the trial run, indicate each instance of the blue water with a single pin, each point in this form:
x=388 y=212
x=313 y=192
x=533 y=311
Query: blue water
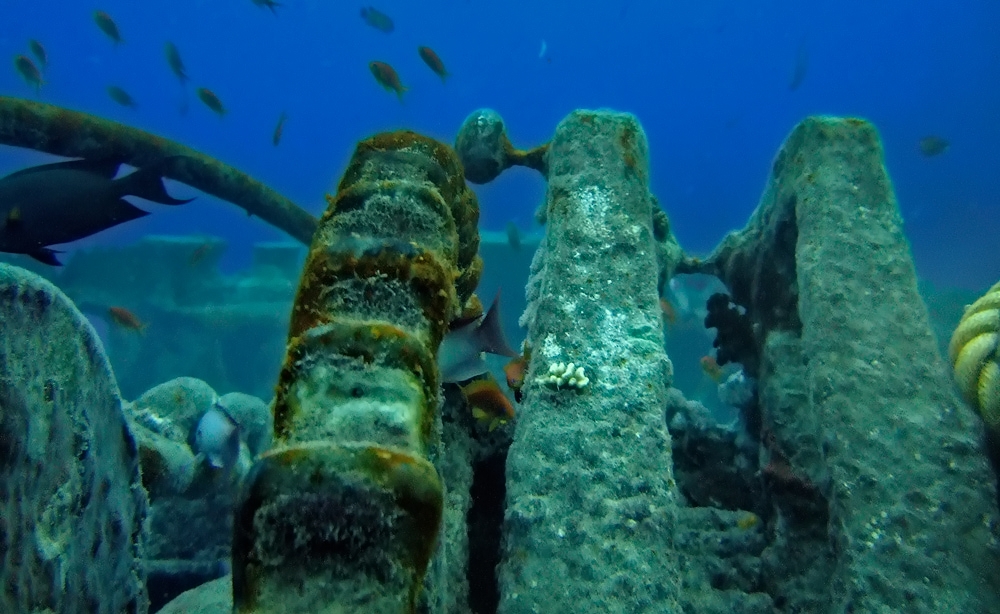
x=708 y=79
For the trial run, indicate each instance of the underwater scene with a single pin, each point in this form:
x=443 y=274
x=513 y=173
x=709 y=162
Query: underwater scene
x=468 y=307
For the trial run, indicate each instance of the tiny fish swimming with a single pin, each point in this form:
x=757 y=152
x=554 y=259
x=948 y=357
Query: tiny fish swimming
x=29 y=72
x=108 y=26
x=377 y=19
x=174 y=61
x=388 y=78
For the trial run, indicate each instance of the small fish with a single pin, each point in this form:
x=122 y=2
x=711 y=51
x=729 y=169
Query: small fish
x=65 y=201
x=433 y=61
x=121 y=97
x=544 y=49
x=217 y=439
x=801 y=67
x=175 y=62
x=490 y=406
x=931 y=146
x=271 y=4
x=108 y=26
x=200 y=253
x=513 y=236
x=211 y=101
x=515 y=370
x=669 y=313
x=39 y=52
x=124 y=318
x=29 y=72
x=711 y=368
x=377 y=19
x=279 y=129
x=460 y=355
x=387 y=78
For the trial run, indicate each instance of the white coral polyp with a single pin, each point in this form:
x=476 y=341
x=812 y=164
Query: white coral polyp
x=561 y=374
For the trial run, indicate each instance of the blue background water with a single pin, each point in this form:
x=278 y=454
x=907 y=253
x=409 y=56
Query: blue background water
x=708 y=79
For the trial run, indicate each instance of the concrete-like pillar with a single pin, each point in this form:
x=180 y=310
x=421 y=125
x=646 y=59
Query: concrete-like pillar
x=590 y=495
x=883 y=498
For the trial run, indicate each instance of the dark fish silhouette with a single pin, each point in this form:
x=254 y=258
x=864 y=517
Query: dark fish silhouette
x=29 y=72
x=801 y=68
x=271 y=4
x=210 y=100
x=122 y=97
x=933 y=146
x=108 y=26
x=377 y=19
x=279 y=129
x=175 y=62
x=62 y=202
x=433 y=61
x=513 y=235
x=39 y=52
x=387 y=77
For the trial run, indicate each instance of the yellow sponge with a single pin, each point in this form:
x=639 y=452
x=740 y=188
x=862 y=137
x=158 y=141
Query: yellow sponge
x=975 y=356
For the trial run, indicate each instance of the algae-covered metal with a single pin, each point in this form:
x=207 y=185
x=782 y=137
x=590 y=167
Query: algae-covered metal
x=343 y=514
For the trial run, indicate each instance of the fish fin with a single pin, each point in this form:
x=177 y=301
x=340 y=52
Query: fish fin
x=46 y=256
x=107 y=167
x=490 y=335
x=147 y=183
x=122 y=211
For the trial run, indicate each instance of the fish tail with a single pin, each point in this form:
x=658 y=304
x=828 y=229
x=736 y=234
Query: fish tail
x=147 y=183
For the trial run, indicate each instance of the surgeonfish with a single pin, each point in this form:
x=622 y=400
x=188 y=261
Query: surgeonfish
x=65 y=201
x=217 y=439
x=460 y=355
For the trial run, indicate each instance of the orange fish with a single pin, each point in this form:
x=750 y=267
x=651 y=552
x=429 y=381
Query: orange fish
x=669 y=313
x=387 y=78
x=279 y=129
x=433 y=61
x=199 y=253
x=489 y=404
x=28 y=71
x=108 y=26
x=211 y=101
x=711 y=368
x=515 y=370
x=126 y=319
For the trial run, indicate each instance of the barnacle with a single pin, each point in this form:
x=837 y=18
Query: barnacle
x=975 y=356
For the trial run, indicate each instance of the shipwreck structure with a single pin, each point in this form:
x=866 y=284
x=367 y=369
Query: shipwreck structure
x=855 y=481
